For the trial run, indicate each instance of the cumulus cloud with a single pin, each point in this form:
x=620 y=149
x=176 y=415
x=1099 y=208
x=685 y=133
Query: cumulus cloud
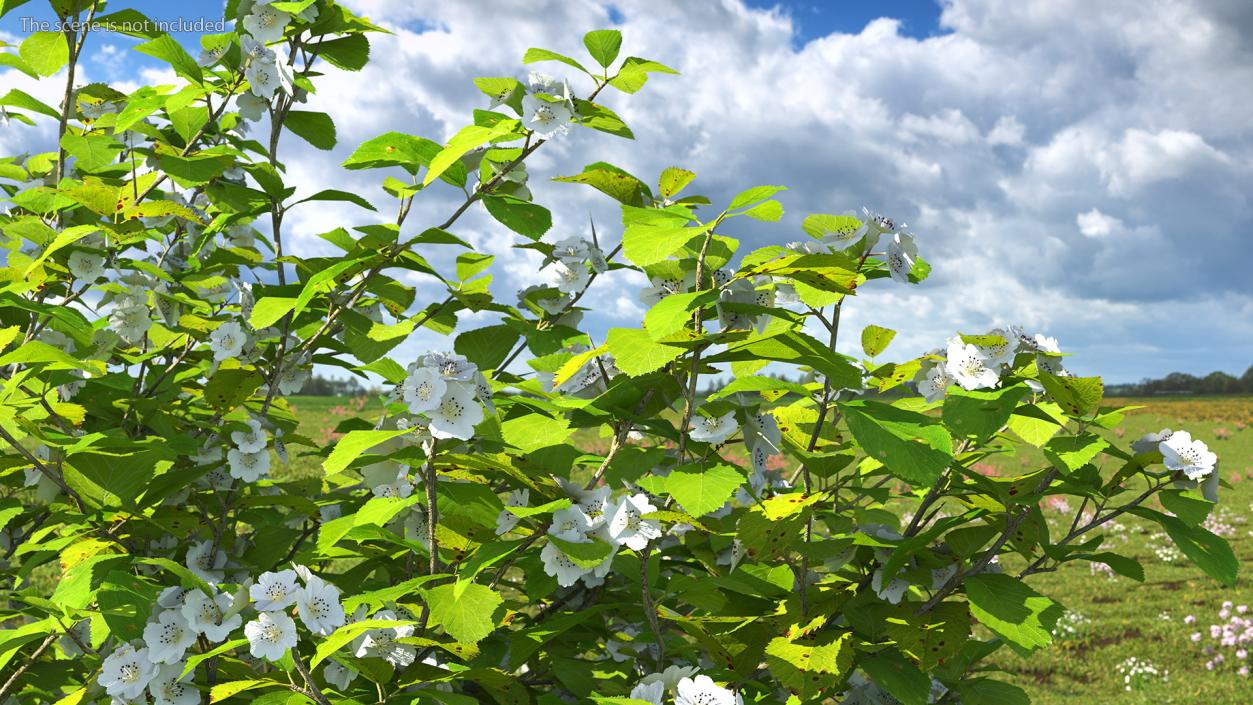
x=1078 y=177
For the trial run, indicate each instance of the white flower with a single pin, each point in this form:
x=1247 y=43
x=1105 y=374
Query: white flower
x=202 y=565
x=703 y=691
x=546 y=118
x=274 y=590
x=732 y=556
x=266 y=24
x=1151 y=441
x=254 y=50
x=651 y=692
x=967 y=367
x=381 y=643
x=227 y=341
x=168 y=689
x=844 y=238
x=570 y=523
x=569 y=279
x=263 y=78
x=713 y=431
x=251 y=441
x=892 y=592
x=1002 y=354
x=933 y=382
x=1193 y=458
x=270 y=635
x=212 y=55
x=248 y=467
x=451 y=366
x=572 y=250
x=627 y=524
x=902 y=253
x=659 y=288
x=251 y=107
x=292 y=379
x=338 y=675
x=423 y=389
x=457 y=414
x=506 y=520
x=208 y=615
x=558 y=564
x=397 y=487
x=319 y=607
x=168 y=637
x=86 y=267
x=173 y=597
x=131 y=322
x=873 y=225
x=670 y=677
x=126 y=672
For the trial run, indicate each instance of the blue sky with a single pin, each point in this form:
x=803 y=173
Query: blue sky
x=1090 y=181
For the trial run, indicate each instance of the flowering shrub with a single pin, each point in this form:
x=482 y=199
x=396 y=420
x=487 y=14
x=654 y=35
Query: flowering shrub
x=477 y=542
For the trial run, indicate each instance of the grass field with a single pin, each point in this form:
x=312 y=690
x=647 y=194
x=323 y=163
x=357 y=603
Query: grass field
x=1118 y=618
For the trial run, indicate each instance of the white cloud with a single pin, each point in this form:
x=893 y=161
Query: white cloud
x=1075 y=176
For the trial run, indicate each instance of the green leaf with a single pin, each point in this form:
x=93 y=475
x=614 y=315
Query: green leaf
x=19 y=99
x=465 y=140
x=523 y=217
x=934 y=637
x=1211 y=553
x=267 y=311
x=350 y=53
x=701 y=491
x=1036 y=423
x=756 y=194
x=352 y=445
x=1021 y=616
x=796 y=348
x=45 y=52
x=392 y=149
x=1191 y=508
x=897 y=675
x=124 y=474
x=531 y=432
x=315 y=128
x=603 y=45
x=875 y=339
x=672 y=313
x=487 y=347
x=651 y=234
x=1069 y=453
x=913 y=446
x=636 y=353
x=188 y=121
x=611 y=181
x=673 y=180
x=336 y=195
x=340 y=637
x=820 y=225
x=598 y=117
x=222 y=691
x=979 y=414
x=533 y=54
x=467 y=616
x=1078 y=396
x=634 y=73
x=166 y=49
x=769 y=211
x=985 y=691
x=230 y=387
x=585 y=554
x=193 y=171
x=759 y=384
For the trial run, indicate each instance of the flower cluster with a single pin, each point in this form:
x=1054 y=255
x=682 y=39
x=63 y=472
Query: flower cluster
x=980 y=364
x=595 y=517
x=1140 y=673
x=1072 y=625
x=182 y=616
x=548 y=107
x=570 y=266
x=685 y=687
x=449 y=391
x=1230 y=639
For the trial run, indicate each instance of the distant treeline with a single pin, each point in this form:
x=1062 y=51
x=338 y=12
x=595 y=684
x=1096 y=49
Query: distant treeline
x=1184 y=383
x=318 y=386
